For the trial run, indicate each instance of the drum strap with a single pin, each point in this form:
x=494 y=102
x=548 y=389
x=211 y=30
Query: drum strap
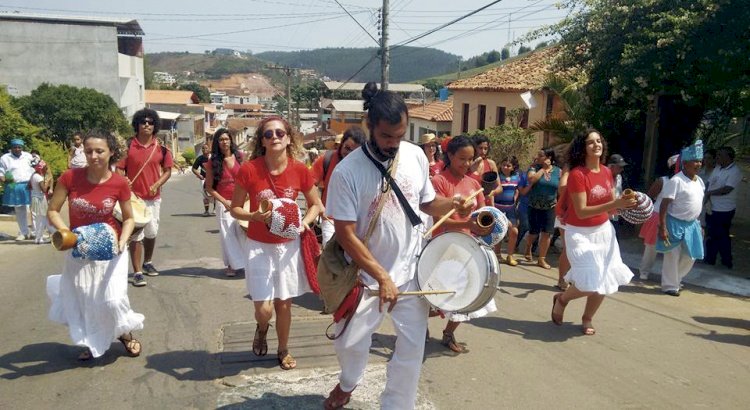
x=413 y=217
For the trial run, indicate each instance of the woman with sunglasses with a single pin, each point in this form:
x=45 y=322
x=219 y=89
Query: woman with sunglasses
x=274 y=271
x=221 y=172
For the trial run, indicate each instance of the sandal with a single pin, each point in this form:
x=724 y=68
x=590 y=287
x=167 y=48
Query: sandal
x=337 y=399
x=586 y=328
x=562 y=285
x=85 y=355
x=260 y=345
x=286 y=361
x=449 y=341
x=132 y=345
x=543 y=263
x=558 y=318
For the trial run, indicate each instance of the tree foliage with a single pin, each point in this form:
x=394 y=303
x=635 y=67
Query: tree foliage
x=12 y=123
x=689 y=55
x=508 y=140
x=576 y=109
x=54 y=153
x=62 y=110
x=204 y=95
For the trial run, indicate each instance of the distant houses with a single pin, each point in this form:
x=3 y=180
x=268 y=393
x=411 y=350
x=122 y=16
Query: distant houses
x=435 y=117
x=102 y=53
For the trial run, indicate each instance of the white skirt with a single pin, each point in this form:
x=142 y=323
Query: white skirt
x=595 y=262
x=465 y=317
x=233 y=239
x=275 y=270
x=39 y=205
x=91 y=298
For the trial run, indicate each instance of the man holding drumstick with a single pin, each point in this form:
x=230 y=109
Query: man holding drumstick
x=389 y=265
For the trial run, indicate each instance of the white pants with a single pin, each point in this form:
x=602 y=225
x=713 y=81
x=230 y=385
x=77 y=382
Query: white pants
x=326 y=227
x=22 y=219
x=677 y=264
x=409 y=318
x=152 y=227
x=648 y=259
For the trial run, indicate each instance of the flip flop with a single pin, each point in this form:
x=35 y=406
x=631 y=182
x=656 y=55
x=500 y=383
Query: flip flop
x=557 y=319
x=588 y=330
x=132 y=345
x=286 y=361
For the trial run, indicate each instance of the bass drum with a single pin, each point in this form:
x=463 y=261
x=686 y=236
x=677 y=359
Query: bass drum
x=458 y=262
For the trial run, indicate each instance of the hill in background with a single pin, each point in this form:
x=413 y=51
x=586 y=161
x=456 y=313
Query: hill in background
x=208 y=65
x=407 y=63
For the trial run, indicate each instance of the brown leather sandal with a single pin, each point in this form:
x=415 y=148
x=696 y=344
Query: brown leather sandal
x=286 y=361
x=337 y=399
x=132 y=345
x=558 y=318
x=260 y=345
x=449 y=341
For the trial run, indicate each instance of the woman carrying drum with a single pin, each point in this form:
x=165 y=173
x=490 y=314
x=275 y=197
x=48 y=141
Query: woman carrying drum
x=221 y=172
x=482 y=164
x=274 y=271
x=91 y=297
x=452 y=181
x=596 y=268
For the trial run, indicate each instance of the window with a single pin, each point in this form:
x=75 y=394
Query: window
x=548 y=109
x=411 y=132
x=465 y=118
x=481 y=115
x=500 y=117
x=525 y=119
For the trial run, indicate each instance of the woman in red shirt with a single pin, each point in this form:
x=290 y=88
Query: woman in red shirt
x=91 y=296
x=452 y=181
x=274 y=271
x=221 y=171
x=596 y=268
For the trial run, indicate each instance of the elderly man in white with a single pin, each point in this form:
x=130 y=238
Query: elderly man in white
x=15 y=173
x=722 y=192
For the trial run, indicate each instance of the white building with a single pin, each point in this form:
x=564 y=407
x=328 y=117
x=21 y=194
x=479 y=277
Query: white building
x=105 y=54
x=163 y=77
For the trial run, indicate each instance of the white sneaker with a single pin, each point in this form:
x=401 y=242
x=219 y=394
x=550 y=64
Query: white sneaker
x=21 y=237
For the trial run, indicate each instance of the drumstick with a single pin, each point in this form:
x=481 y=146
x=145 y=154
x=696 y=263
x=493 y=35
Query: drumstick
x=374 y=292
x=451 y=212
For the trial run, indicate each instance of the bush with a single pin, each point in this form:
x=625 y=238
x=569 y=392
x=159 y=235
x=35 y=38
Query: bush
x=53 y=153
x=509 y=140
x=189 y=155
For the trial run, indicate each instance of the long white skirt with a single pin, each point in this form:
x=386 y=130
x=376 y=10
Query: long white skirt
x=233 y=239
x=275 y=270
x=91 y=298
x=595 y=262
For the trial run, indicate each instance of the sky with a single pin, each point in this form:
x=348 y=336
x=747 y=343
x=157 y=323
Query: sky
x=287 y=25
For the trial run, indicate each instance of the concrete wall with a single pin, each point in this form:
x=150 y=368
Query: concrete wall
x=413 y=133
x=33 y=53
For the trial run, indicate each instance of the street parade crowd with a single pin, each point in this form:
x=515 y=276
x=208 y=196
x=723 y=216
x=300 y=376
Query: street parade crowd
x=373 y=197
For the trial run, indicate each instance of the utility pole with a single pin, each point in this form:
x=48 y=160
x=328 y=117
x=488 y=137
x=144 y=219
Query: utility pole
x=288 y=71
x=384 y=53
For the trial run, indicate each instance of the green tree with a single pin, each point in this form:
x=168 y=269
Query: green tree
x=204 y=95
x=576 y=109
x=493 y=56
x=12 y=123
x=508 y=140
x=433 y=84
x=62 y=109
x=54 y=153
x=523 y=50
x=689 y=56
x=505 y=53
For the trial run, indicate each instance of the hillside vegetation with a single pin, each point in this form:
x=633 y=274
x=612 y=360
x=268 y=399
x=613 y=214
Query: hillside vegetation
x=407 y=63
x=211 y=66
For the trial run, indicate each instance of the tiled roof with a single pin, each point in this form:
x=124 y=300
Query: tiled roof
x=439 y=111
x=238 y=124
x=320 y=134
x=243 y=107
x=523 y=73
x=170 y=97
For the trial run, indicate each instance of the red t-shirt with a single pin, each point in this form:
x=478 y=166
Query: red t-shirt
x=260 y=184
x=436 y=168
x=91 y=203
x=225 y=187
x=317 y=172
x=447 y=185
x=598 y=188
x=136 y=157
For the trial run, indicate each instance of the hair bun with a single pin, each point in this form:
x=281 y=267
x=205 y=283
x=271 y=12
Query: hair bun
x=368 y=92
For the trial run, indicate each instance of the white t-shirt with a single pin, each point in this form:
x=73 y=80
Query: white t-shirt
x=721 y=177
x=353 y=194
x=79 y=158
x=686 y=195
x=20 y=167
x=36 y=190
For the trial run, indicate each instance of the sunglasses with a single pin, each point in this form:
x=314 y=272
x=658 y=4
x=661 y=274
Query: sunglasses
x=268 y=134
x=147 y=122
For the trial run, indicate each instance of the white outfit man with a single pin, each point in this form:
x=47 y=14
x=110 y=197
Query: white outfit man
x=394 y=244
x=722 y=191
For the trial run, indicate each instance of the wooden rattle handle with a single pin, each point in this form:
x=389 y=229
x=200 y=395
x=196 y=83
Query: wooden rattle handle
x=451 y=212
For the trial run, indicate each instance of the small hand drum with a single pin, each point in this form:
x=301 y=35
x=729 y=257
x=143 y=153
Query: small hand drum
x=491 y=216
x=286 y=218
x=96 y=242
x=641 y=212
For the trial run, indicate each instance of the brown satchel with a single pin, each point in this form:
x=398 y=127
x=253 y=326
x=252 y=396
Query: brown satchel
x=336 y=276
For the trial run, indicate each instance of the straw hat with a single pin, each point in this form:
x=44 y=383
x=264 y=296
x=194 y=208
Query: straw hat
x=338 y=138
x=426 y=139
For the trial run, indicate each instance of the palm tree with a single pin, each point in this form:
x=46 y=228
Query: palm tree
x=573 y=118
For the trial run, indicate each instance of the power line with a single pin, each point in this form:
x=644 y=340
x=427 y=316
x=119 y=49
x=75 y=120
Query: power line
x=356 y=21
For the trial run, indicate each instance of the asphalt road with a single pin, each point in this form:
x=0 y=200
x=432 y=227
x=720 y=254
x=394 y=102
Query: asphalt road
x=650 y=350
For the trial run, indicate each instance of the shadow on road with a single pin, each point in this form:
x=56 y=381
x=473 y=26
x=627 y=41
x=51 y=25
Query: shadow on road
x=528 y=286
x=742 y=340
x=531 y=330
x=199 y=271
x=185 y=364
x=275 y=401
x=724 y=321
x=45 y=358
